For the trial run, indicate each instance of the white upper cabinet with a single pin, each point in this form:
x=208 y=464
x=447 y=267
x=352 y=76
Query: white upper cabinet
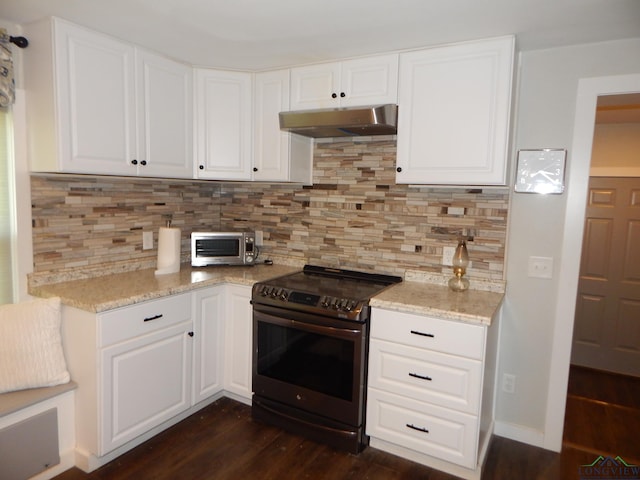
x=278 y=156
x=98 y=105
x=165 y=116
x=223 y=107
x=363 y=81
x=453 y=114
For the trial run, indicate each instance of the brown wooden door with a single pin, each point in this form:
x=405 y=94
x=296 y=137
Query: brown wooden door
x=607 y=323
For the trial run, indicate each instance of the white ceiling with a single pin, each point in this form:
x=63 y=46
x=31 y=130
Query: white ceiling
x=267 y=34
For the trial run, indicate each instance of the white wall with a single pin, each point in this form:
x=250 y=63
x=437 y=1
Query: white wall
x=23 y=263
x=545 y=119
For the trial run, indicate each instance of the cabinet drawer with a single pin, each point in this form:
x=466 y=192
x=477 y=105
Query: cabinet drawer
x=129 y=322
x=425 y=428
x=446 y=336
x=445 y=380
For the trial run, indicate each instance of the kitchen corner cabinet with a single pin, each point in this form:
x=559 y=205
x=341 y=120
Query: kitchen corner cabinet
x=453 y=114
x=238 y=343
x=97 y=105
x=430 y=390
x=362 y=81
x=278 y=156
x=223 y=108
x=208 y=328
x=133 y=368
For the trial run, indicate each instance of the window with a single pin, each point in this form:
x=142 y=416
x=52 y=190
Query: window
x=6 y=208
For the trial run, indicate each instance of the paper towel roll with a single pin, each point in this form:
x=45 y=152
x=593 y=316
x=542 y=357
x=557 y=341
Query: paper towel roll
x=168 y=250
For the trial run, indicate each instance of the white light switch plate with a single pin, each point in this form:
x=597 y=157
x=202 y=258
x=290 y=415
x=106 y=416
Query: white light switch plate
x=540 y=267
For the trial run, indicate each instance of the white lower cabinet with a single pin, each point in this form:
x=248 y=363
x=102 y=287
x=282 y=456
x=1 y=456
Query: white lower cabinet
x=144 y=367
x=146 y=381
x=208 y=327
x=238 y=343
x=430 y=390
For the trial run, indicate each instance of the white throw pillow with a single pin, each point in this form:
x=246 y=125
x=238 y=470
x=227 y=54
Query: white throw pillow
x=31 y=352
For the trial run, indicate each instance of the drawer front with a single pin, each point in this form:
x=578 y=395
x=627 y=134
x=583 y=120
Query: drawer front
x=446 y=336
x=129 y=322
x=441 y=433
x=440 y=379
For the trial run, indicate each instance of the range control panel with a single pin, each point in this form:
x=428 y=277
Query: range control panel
x=347 y=308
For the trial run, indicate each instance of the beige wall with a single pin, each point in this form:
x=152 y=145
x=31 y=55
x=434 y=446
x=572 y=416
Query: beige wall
x=548 y=87
x=616 y=150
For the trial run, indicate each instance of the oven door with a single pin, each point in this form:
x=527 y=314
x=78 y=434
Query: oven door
x=310 y=362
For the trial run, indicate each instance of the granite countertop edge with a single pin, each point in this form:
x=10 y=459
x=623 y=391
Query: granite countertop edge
x=118 y=290
x=471 y=306
x=113 y=291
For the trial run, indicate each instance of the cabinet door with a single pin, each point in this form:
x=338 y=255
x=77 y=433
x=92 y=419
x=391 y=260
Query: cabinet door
x=369 y=81
x=278 y=156
x=146 y=381
x=223 y=119
x=315 y=86
x=96 y=108
x=363 y=81
x=165 y=117
x=238 y=342
x=209 y=342
x=453 y=116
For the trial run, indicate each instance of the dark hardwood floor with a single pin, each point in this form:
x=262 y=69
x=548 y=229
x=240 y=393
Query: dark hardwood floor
x=222 y=442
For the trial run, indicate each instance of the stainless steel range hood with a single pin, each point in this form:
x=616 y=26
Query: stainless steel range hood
x=342 y=122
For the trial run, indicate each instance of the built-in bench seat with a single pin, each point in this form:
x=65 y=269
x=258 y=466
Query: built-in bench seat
x=37 y=432
x=12 y=402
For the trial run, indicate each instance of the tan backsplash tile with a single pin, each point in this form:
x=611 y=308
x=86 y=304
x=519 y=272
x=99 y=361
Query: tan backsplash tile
x=354 y=216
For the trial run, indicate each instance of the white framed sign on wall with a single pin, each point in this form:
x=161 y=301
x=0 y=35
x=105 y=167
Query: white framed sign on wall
x=541 y=171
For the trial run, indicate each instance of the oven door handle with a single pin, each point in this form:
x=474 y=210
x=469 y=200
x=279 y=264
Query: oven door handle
x=298 y=321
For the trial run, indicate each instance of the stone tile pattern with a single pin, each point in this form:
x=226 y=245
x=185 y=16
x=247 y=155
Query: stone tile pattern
x=353 y=216
x=87 y=222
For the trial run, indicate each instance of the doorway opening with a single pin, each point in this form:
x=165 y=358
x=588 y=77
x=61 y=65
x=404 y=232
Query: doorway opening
x=589 y=90
x=604 y=376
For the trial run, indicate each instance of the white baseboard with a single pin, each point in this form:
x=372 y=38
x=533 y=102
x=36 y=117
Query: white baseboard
x=519 y=433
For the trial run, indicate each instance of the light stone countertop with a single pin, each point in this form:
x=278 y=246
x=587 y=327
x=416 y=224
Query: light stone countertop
x=472 y=306
x=116 y=290
x=119 y=290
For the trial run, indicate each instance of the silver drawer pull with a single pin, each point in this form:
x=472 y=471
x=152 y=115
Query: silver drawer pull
x=422 y=334
x=155 y=317
x=421 y=377
x=420 y=429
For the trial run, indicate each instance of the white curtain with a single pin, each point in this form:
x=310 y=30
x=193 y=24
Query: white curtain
x=7 y=83
x=6 y=208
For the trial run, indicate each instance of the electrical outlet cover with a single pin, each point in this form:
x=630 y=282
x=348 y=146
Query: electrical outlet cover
x=147 y=240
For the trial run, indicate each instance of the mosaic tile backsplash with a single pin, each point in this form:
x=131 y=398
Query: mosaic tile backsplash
x=353 y=216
